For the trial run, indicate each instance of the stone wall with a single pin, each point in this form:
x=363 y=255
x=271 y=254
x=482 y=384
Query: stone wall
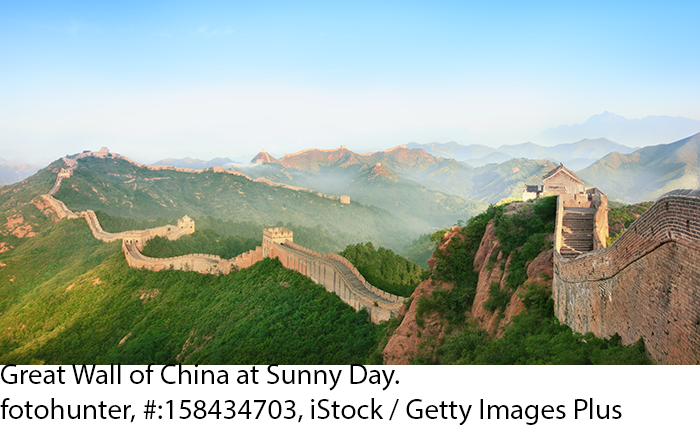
x=339 y=276
x=334 y=272
x=201 y=263
x=645 y=285
x=137 y=237
x=591 y=198
x=59 y=207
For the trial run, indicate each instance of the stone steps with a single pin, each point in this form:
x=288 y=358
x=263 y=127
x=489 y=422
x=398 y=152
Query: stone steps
x=577 y=231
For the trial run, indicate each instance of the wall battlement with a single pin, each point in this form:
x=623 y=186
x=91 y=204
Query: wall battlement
x=645 y=285
x=339 y=276
x=278 y=233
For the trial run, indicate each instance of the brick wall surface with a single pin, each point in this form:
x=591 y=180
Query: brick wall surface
x=646 y=285
x=338 y=275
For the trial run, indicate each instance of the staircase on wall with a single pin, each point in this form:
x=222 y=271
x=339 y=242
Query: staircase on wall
x=577 y=231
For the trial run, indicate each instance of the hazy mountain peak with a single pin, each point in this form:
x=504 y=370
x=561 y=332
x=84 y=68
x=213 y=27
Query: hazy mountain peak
x=381 y=171
x=649 y=172
x=264 y=158
x=650 y=130
x=605 y=117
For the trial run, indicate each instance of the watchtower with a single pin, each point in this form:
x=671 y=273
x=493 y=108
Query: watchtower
x=561 y=180
x=65 y=173
x=274 y=235
x=186 y=223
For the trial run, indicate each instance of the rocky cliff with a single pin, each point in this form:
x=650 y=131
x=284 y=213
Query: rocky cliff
x=420 y=333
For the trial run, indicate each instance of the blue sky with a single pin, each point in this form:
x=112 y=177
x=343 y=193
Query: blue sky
x=209 y=79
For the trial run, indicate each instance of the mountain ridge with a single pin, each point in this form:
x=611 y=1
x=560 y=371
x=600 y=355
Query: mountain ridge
x=650 y=130
x=647 y=173
x=576 y=155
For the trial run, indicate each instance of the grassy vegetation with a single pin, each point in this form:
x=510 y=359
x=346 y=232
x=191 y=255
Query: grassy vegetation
x=534 y=336
x=384 y=269
x=316 y=238
x=202 y=241
x=16 y=202
x=66 y=297
x=85 y=305
x=456 y=265
x=522 y=236
x=115 y=224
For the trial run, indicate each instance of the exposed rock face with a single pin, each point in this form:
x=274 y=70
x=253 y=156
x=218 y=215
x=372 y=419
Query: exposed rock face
x=409 y=339
x=488 y=262
x=538 y=271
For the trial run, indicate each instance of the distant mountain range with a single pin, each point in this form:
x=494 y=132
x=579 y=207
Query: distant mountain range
x=409 y=182
x=647 y=173
x=194 y=163
x=13 y=173
x=651 y=130
x=575 y=156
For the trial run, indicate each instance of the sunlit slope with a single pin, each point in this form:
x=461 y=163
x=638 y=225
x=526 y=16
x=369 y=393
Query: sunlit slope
x=335 y=171
x=647 y=173
x=23 y=213
x=123 y=189
x=69 y=298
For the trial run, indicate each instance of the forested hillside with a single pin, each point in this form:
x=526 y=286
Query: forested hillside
x=66 y=297
x=122 y=189
x=85 y=305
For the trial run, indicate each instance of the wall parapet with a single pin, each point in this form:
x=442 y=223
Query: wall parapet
x=645 y=285
x=344 y=261
x=336 y=274
x=665 y=221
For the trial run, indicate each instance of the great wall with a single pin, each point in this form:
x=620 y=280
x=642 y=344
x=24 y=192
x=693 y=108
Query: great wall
x=332 y=271
x=645 y=285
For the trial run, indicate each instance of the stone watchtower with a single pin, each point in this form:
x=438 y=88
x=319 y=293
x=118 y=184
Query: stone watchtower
x=561 y=180
x=65 y=173
x=274 y=235
x=186 y=223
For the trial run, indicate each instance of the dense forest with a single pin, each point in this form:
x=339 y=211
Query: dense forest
x=87 y=306
x=202 y=241
x=384 y=269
